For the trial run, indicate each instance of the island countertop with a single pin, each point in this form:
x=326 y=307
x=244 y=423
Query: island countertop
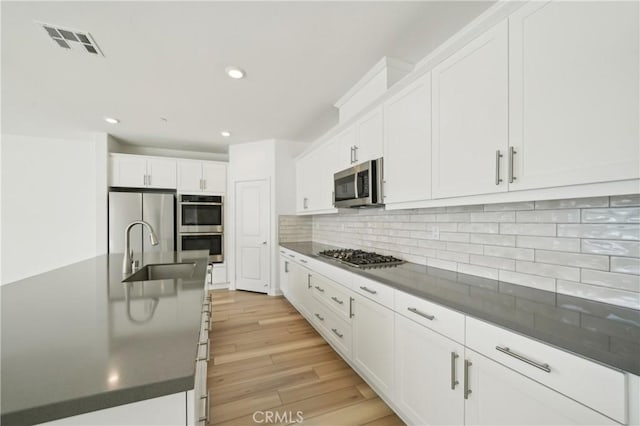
x=77 y=339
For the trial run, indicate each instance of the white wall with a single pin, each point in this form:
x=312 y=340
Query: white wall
x=53 y=203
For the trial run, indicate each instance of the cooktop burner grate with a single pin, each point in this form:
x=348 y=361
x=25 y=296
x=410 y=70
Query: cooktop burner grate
x=361 y=259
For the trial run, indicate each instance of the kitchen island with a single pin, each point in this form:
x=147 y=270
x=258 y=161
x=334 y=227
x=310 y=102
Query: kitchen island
x=77 y=339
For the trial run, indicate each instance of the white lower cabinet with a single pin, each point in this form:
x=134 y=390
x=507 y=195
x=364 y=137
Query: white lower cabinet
x=373 y=342
x=428 y=374
x=437 y=366
x=501 y=396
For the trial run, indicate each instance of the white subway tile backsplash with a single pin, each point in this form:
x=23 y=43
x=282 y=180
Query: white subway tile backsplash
x=535 y=281
x=453 y=256
x=625 y=200
x=572 y=203
x=549 y=216
x=526 y=205
x=493 y=262
x=479 y=271
x=460 y=237
x=580 y=260
x=603 y=231
x=549 y=243
x=539 y=229
x=627 y=299
x=500 y=216
x=464 y=248
x=452 y=217
x=508 y=252
x=590 y=245
x=496 y=240
x=547 y=270
x=611 y=279
x=612 y=247
x=626 y=265
x=612 y=215
x=482 y=228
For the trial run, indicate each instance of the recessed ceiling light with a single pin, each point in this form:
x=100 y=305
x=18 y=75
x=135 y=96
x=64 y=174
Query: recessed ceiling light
x=111 y=120
x=225 y=133
x=235 y=72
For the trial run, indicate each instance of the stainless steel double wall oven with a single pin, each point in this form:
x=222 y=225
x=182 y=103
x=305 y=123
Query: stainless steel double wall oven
x=200 y=224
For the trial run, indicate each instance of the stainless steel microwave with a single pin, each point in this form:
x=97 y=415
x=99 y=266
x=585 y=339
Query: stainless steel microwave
x=359 y=186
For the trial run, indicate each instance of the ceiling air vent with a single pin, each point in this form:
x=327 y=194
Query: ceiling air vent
x=71 y=39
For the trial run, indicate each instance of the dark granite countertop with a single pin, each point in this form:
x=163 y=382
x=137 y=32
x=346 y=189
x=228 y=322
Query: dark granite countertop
x=77 y=339
x=604 y=333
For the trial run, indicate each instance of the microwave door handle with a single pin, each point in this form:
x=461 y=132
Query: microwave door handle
x=355 y=186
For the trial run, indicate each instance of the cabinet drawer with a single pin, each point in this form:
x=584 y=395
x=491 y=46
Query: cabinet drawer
x=332 y=294
x=596 y=386
x=334 y=329
x=431 y=315
x=374 y=290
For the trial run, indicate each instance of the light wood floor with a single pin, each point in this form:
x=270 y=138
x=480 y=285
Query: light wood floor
x=267 y=358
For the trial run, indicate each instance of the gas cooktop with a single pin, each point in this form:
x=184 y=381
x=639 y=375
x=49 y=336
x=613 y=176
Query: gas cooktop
x=361 y=259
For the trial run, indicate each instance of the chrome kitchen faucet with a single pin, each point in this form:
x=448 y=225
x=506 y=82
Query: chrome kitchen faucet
x=127 y=261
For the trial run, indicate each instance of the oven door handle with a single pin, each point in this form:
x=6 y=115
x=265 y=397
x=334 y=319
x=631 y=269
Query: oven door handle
x=186 y=234
x=187 y=203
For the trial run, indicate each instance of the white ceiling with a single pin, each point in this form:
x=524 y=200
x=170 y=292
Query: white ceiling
x=167 y=59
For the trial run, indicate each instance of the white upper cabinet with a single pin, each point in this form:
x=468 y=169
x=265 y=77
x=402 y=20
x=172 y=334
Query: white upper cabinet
x=574 y=93
x=202 y=177
x=407 y=144
x=314 y=184
x=370 y=135
x=470 y=117
x=361 y=141
x=138 y=171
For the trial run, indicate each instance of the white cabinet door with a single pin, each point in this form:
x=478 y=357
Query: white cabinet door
x=128 y=171
x=373 y=342
x=500 y=396
x=574 y=82
x=161 y=173
x=369 y=136
x=189 y=176
x=284 y=275
x=299 y=285
x=214 y=176
x=407 y=144
x=303 y=177
x=470 y=117
x=428 y=372
x=322 y=168
x=343 y=148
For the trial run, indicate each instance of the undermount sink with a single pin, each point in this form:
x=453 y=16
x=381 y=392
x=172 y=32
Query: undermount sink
x=162 y=271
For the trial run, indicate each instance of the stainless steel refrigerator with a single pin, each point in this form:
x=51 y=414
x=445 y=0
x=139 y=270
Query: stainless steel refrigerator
x=156 y=208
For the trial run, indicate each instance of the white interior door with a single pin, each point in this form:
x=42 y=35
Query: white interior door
x=252 y=235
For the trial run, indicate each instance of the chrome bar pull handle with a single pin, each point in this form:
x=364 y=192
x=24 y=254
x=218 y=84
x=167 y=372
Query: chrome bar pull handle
x=498 y=157
x=149 y=180
x=338 y=301
x=320 y=289
x=308 y=281
x=422 y=314
x=286 y=266
x=454 y=382
x=351 y=307
x=303 y=261
x=319 y=317
x=368 y=290
x=207 y=410
x=351 y=161
x=355 y=153
x=337 y=333
x=544 y=367
x=512 y=152
x=467 y=391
